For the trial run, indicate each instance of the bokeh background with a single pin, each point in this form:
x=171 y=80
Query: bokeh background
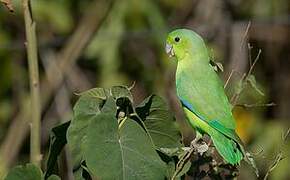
x=86 y=43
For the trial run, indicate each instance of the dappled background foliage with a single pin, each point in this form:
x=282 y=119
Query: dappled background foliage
x=86 y=44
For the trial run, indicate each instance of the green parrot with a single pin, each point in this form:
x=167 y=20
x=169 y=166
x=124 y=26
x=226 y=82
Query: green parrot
x=202 y=95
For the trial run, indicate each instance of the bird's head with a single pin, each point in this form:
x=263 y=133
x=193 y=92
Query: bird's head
x=184 y=42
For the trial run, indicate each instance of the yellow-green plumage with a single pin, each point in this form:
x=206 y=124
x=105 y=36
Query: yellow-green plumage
x=202 y=95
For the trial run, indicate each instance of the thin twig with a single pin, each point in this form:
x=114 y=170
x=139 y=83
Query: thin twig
x=31 y=47
x=132 y=86
x=250 y=53
x=254 y=63
x=182 y=162
x=236 y=95
x=228 y=79
x=278 y=158
x=245 y=34
x=244 y=78
x=256 y=105
x=286 y=135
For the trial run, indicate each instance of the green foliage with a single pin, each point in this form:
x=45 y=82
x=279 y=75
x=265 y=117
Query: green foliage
x=28 y=172
x=252 y=81
x=123 y=152
x=53 y=177
x=108 y=137
x=159 y=122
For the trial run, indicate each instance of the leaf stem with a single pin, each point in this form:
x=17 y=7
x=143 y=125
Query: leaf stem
x=31 y=47
x=182 y=161
x=122 y=122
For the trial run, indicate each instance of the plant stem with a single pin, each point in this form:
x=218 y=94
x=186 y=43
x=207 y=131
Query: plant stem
x=31 y=47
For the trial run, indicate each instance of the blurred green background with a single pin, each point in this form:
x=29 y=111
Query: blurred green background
x=85 y=43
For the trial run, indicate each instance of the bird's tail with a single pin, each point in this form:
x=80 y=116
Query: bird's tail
x=227 y=148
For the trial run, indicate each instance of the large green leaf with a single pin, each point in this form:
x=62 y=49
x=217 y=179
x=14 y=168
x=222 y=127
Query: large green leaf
x=90 y=104
x=159 y=122
x=25 y=172
x=84 y=110
x=121 y=153
x=57 y=142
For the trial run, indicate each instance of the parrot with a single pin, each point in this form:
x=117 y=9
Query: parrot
x=202 y=96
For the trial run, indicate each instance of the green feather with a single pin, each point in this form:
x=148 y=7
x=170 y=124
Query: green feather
x=227 y=147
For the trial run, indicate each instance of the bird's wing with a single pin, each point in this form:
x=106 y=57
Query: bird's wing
x=213 y=123
x=205 y=97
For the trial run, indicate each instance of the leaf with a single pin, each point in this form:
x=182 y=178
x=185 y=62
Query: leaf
x=159 y=122
x=252 y=80
x=82 y=173
x=95 y=92
x=239 y=87
x=170 y=169
x=54 y=177
x=78 y=174
x=25 y=172
x=184 y=169
x=57 y=142
x=110 y=105
x=88 y=105
x=121 y=92
x=125 y=153
x=8 y=4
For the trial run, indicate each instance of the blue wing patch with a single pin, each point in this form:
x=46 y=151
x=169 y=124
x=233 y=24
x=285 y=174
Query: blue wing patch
x=190 y=107
x=213 y=123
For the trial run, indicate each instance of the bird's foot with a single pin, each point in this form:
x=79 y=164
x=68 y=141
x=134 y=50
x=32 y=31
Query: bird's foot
x=201 y=147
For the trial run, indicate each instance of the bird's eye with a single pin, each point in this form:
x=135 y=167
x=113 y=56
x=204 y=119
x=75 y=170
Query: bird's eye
x=176 y=39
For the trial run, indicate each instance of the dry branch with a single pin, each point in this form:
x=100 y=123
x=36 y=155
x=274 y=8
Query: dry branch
x=31 y=47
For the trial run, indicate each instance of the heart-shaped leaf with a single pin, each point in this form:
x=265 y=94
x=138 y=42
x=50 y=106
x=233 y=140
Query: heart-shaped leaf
x=159 y=122
x=90 y=104
x=121 y=153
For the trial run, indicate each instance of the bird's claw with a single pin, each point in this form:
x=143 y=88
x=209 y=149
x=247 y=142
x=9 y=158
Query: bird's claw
x=201 y=147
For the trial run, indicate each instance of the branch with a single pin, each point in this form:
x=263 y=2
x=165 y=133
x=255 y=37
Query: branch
x=31 y=47
x=279 y=157
x=246 y=34
x=256 y=105
x=182 y=162
x=245 y=78
x=228 y=79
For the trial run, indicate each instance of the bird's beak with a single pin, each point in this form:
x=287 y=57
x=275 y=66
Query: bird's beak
x=169 y=50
